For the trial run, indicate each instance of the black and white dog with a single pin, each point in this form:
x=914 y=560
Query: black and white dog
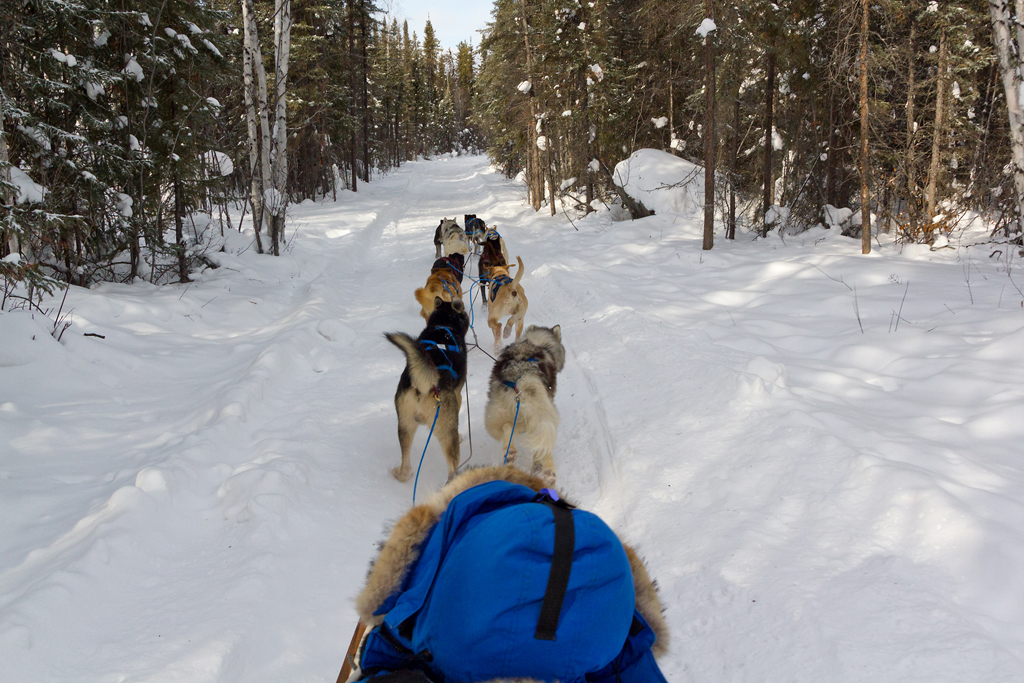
x=432 y=382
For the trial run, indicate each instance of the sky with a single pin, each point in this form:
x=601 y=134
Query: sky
x=453 y=20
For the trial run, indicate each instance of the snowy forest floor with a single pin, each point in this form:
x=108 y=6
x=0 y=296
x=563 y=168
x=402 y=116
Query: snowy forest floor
x=196 y=496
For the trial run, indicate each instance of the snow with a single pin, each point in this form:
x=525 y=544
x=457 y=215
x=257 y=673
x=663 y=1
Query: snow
x=213 y=102
x=212 y=48
x=706 y=27
x=26 y=190
x=93 y=90
x=660 y=122
x=566 y=184
x=196 y=495
x=647 y=174
x=133 y=143
x=837 y=218
x=597 y=72
x=524 y=87
x=133 y=69
x=542 y=142
x=101 y=39
x=124 y=204
x=219 y=162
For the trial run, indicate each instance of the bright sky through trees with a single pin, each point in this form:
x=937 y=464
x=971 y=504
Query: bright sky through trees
x=453 y=20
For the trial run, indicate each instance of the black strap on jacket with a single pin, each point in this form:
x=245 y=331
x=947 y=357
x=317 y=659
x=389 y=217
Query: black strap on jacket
x=561 y=566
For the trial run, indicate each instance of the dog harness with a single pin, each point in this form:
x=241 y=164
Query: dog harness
x=497 y=284
x=444 y=348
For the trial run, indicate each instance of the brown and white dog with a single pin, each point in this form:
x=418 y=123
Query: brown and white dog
x=521 y=397
x=445 y=283
x=435 y=372
x=506 y=297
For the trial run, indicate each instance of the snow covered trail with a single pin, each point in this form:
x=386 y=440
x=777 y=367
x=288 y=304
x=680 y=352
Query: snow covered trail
x=196 y=496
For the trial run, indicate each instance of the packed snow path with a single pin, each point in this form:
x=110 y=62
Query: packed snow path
x=196 y=496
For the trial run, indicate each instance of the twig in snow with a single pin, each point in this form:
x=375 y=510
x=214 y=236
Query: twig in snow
x=899 y=314
x=840 y=280
x=856 y=308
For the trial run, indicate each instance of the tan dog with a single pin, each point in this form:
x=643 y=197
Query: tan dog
x=506 y=297
x=443 y=284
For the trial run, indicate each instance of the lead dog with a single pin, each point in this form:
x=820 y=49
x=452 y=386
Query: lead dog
x=506 y=298
x=435 y=372
x=527 y=370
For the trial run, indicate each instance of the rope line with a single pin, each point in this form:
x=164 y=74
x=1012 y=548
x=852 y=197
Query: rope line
x=436 y=412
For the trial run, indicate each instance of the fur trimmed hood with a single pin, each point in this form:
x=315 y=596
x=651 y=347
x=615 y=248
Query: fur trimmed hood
x=402 y=547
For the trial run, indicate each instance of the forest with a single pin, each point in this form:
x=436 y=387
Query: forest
x=133 y=133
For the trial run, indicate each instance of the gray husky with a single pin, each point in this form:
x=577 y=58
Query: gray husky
x=527 y=369
x=432 y=382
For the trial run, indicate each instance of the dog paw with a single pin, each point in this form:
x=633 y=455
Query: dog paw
x=545 y=474
x=401 y=473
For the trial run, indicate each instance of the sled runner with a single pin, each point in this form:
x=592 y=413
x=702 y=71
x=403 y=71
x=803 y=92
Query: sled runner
x=498 y=578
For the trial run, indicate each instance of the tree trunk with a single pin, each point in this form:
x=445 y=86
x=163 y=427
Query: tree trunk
x=282 y=48
x=940 y=107
x=865 y=197
x=10 y=240
x=352 y=86
x=534 y=177
x=769 y=104
x=179 y=232
x=1009 y=67
x=731 y=231
x=364 y=103
x=255 y=91
x=911 y=161
x=709 y=136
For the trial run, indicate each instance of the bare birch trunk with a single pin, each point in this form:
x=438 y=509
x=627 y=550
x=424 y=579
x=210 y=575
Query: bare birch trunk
x=940 y=107
x=255 y=81
x=282 y=48
x=865 y=195
x=1009 y=68
x=709 y=136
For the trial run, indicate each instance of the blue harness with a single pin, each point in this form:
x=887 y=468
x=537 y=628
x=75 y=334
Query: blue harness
x=497 y=284
x=444 y=348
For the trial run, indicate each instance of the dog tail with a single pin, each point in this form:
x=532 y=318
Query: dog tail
x=422 y=372
x=519 y=274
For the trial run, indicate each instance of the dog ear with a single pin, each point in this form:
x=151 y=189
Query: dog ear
x=557 y=331
x=458 y=305
x=438 y=301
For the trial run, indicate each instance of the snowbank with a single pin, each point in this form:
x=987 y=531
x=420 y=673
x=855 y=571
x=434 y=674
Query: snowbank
x=662 y=181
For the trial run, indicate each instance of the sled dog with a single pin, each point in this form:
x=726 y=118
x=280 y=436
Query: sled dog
x=450 y=237
x=527 y=369
x=456 y=264
x=475 y=230
x=443 y=283
x=493 y=253
x=505 y=297
x=434 y=375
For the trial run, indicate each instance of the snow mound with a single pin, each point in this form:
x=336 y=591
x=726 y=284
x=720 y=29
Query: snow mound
x=662 y=181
